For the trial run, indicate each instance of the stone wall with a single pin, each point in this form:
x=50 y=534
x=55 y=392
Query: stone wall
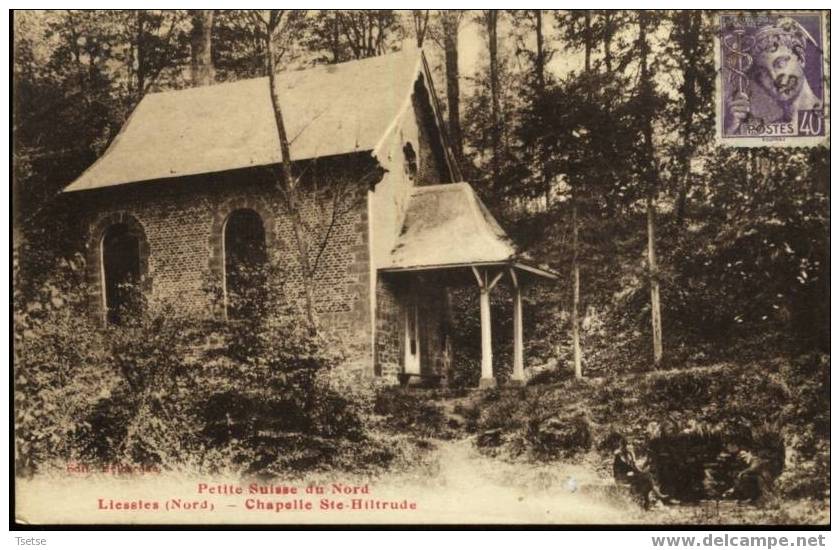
x=182 y=224
x=390 y=327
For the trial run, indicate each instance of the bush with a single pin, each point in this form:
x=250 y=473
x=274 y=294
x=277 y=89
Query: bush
x=58 y=375
x=560 y=436
x=411 y=413
x=177 y=391
x=147 y=418
x=554 y=375
x=265 y=394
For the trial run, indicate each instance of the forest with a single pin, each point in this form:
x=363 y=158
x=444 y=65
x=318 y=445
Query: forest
x=589 y=133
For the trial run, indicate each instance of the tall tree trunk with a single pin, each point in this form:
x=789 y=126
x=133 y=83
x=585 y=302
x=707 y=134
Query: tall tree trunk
x=655 y=316
x=646 y=83
x=202 y=71
x=540 y=57
x=607 y=18
x=491 y=18
x=691 y=23
x=607 y=37
x=578 y=363
x=288 y=184
x=335 y=39
x=587 y=38
x=451 y=21
x=540 y=70
x=141 y=54
x=421 y=25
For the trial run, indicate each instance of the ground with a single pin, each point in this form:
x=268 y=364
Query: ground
x=543 y=452
x=534 y=454
x=452 y=482
x=485 y=489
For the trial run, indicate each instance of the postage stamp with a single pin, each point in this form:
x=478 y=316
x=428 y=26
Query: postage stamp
x=771 y=79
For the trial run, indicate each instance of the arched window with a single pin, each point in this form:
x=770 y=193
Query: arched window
x=410 y=160
x=120 y=272
x=245 y=259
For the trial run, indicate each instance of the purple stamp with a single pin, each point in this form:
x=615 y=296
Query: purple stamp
x=771 y=79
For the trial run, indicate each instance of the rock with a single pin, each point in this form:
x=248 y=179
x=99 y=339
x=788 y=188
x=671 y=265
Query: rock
x=490 y=438
x=455 y=423
x=562 y=435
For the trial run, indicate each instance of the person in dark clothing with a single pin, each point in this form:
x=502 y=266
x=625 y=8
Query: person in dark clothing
x=756 y=480
x=627 y=472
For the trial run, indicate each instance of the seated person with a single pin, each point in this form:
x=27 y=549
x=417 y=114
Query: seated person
x=627 y=472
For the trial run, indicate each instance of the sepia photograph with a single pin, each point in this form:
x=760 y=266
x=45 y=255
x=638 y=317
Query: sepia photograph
x=398 y=267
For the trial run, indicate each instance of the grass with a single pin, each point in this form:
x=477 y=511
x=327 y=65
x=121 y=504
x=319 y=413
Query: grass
x=679 y=420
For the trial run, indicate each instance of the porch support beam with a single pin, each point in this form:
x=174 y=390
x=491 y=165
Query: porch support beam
x=518 y=375
x=484 y=286
x=496 y=279
x=487 y=380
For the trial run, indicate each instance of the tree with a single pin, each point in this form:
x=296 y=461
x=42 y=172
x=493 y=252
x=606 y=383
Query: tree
x=579 y=30
x=689 y=54
x=336 y=36
x=647 y=103
x=450 y=22
x=238 y=46
x=367 y=32
x=275 y=27
x=151 y=43
x=324 y=35
x=491 y=18
x=313 y=230
x=588 y=45
x=420 y=18
x=490 y=121
x=534 y=129
x=202 y=71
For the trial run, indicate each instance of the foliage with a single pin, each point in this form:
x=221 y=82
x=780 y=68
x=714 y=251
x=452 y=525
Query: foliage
x=410 y=412
x=145 y=419
x=742 y=238
x=735 y=227
x=176 y=391
x=692 y=427
x=58 y=377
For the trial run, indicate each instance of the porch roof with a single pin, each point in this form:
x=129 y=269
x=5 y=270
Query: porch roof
x=447 y=226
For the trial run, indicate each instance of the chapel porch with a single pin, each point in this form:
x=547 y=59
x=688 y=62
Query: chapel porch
x=426 y=350
x=450 y=240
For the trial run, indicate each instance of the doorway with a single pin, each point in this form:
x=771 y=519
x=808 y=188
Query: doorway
x=121 y=272
x=412 y=337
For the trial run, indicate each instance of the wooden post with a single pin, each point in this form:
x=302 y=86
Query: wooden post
x=655 y=315
x=576 y=355
x=518 y=375
x=485 y=286
x=487 y=380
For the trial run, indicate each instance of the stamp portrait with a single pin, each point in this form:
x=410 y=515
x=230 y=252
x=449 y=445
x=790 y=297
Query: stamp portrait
x=771 y=79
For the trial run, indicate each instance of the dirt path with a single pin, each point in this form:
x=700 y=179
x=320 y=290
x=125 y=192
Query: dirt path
x=452 y=484
x=462 y=485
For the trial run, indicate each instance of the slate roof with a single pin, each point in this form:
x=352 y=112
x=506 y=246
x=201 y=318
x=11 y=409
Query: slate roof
x=328 y=110
x=447 y=225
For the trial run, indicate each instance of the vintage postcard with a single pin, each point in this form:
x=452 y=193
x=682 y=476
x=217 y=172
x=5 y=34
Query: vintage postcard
x=420 y=267
x=772 y=88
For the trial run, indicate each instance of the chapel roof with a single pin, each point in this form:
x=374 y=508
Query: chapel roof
x=328 y=110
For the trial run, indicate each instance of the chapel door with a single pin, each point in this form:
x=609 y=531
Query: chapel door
x=412 y=338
